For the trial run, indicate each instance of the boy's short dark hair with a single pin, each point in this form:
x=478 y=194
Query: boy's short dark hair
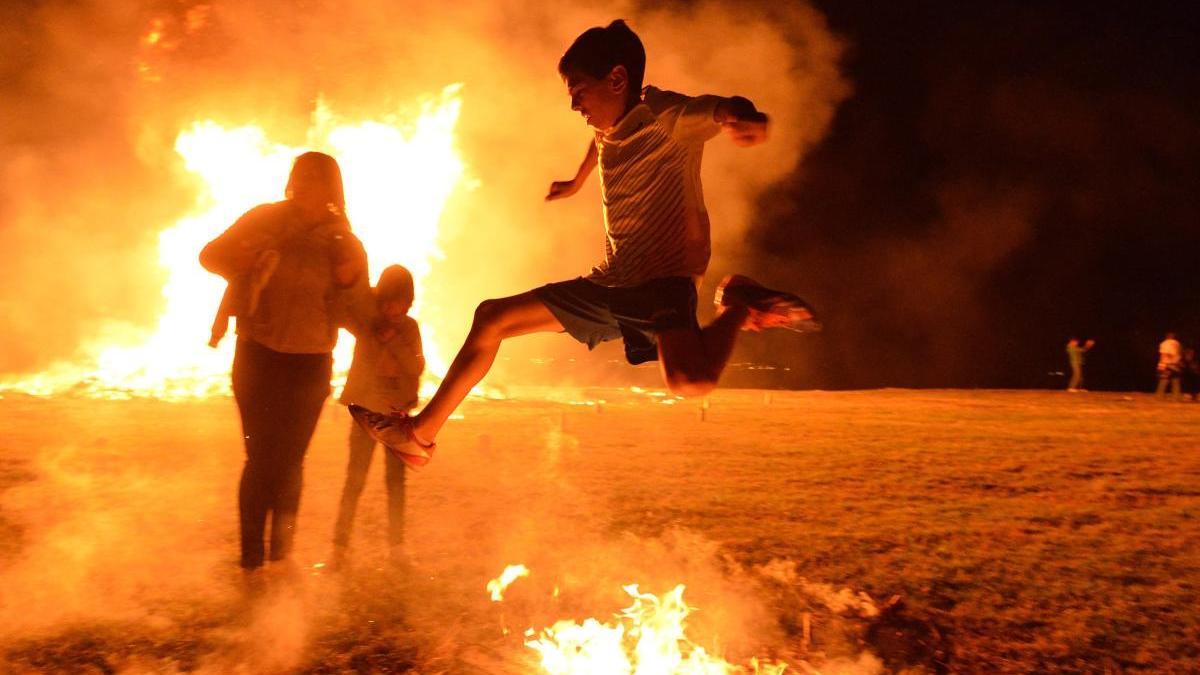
x=598 y=50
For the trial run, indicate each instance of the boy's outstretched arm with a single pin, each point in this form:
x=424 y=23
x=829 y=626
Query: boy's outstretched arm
x=565 y=188
x=744 y=123
x=696 y=119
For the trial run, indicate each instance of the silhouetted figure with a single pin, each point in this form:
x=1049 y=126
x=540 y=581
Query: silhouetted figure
x=1190 y=374
x=1075 y=353
x=1170 y=366
x=648 y=146
x=384 y=375
x=283 y=360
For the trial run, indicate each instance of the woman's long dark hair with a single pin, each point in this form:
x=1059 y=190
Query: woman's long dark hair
x=327 y=168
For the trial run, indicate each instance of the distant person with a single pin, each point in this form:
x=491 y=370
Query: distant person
x=1075 y=353
x=648 y=144
x=1170 y=366
x=1190 y=374
x=283 y=360
x=384 y=375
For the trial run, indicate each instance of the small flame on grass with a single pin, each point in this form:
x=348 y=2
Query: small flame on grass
x=646 y=638
x=501 y=583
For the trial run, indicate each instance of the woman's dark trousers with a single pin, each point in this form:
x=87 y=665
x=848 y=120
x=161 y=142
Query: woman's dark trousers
x=279 y=397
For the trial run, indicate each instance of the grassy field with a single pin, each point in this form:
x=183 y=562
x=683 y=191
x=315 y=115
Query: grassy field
x=855 y=532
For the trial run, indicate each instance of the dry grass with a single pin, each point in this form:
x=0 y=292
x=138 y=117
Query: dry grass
x=1013 y=532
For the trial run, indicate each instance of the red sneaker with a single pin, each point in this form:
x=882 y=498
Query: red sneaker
x=769 y=308
x=395 y=432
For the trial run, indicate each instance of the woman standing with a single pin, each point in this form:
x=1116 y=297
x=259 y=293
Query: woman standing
x=286 y=333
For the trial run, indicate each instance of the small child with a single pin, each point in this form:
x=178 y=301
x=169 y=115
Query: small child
x=384 y=375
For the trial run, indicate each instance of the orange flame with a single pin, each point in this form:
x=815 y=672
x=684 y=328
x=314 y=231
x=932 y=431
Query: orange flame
x=647 y=638
x=155 y=33
x=399 y=173
x=501 y=583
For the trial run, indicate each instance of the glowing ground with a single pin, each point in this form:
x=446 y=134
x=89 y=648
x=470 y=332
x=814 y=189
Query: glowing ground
x=975 y=531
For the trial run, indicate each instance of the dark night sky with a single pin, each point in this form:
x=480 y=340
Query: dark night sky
x=1005 y=175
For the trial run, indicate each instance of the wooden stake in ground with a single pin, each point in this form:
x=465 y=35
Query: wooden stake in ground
x=805 y=631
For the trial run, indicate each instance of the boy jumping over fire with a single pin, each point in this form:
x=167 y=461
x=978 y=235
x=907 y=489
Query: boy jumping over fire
x=648 y=145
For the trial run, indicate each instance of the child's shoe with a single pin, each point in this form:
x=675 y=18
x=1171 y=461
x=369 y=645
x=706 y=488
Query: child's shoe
x=769 y=308
x=395 y=432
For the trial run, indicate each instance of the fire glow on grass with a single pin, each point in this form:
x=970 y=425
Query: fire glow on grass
x=398 y=172
x=646 y=638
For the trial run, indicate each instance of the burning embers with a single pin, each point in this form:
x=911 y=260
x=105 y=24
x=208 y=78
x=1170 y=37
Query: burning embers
x=501 y=583
x=646 y=638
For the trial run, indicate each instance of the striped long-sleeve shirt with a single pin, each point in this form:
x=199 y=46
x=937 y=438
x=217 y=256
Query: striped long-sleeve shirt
x=654 y=217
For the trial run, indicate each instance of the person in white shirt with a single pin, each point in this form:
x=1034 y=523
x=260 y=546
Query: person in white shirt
x=1170 y=366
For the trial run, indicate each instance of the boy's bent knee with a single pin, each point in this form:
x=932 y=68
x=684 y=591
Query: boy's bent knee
x=486 y=312
x=489 y=315
x=491 y=321
x=483 y=326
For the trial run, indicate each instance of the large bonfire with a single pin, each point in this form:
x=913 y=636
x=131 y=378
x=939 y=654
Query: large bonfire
x=399 y=172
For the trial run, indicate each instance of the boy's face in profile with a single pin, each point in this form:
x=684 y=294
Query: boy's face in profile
x=601 y=101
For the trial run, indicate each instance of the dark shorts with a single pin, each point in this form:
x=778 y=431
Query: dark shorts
x=592 y=313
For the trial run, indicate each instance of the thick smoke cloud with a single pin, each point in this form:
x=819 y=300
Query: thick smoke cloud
x=97 y=92
x=74 y=218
